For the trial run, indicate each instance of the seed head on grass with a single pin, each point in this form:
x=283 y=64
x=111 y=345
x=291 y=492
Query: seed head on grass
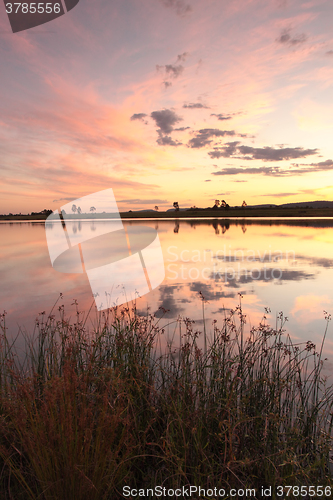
x=95 y=408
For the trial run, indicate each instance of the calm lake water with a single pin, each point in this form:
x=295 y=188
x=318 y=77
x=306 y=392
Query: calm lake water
x=285 y=266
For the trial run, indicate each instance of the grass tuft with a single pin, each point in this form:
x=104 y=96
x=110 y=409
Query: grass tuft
x=92 y=409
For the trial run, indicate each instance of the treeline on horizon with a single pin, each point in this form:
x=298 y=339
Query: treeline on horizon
x=218 y=206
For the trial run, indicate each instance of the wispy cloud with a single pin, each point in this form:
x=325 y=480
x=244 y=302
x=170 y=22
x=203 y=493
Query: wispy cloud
x=138 y=201
x=138 y=116
x=179 y=6
x=204 y=136
x=70 y=198
x=195 y=105
x=267 y=153
x=182 y=57
x=327 y=164
x=165 y=120
x=286 y=38
x=277 y=171
x=247 y=170
x=221 y=116
x=278 y=195
x=171 y=70
x=166 y=140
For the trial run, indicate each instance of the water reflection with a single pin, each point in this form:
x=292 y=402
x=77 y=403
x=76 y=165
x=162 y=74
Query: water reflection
x=121 y=264
x=284 y=265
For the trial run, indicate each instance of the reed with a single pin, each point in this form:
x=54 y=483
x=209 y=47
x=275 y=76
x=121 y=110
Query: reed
x=95 y=406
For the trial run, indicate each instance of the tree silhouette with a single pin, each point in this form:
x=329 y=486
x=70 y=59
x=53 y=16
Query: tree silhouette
x=79 y=210
x=244 y=204
x=156 y=208
x=176 y=206
x=92 y=209
x=74 y=209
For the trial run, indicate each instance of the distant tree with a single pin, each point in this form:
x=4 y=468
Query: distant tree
x=223 y=204
x=194 y=207
x=217 y=204
x=79 y=210
x=244 y=204
x=74 y=208
x=176 y=206
x=156 y=208
x=92 y=209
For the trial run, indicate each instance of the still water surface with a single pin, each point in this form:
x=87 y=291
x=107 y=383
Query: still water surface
x=284 y=266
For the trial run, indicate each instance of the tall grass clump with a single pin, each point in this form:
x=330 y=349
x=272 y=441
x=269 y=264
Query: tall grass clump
x=96 y=405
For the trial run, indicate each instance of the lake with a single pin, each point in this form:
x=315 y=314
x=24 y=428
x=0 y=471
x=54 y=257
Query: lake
x=280 y=265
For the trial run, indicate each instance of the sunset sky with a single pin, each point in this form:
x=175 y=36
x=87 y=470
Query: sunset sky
x=168 y=100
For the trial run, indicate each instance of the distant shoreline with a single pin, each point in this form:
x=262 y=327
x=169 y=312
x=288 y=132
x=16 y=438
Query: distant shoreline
x=193 y=214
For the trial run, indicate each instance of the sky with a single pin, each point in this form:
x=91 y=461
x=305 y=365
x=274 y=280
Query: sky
x=168 y=100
